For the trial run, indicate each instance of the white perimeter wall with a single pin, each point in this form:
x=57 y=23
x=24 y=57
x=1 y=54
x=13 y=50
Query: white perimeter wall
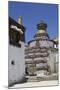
x=17 y=71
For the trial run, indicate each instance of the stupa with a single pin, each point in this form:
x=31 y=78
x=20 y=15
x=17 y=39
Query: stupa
x=40 y=53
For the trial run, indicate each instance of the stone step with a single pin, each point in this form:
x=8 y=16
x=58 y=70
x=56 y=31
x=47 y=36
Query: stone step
x=32 y=79
x=44 y=78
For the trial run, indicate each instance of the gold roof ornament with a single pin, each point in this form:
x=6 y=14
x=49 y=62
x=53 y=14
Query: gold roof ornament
x=41 y=32
x=20 y=20
x=56 y=40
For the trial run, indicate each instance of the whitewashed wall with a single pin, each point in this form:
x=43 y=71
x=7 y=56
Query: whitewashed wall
x=16 y=71
x=51 y=62
x=41 y=73
x=45 y=43
x=32 y=44
x=56 y=62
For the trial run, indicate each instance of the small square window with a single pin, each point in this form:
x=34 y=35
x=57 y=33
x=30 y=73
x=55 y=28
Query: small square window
x=12 y=62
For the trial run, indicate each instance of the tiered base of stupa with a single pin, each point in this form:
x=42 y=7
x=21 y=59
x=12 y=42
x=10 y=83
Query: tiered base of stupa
x=40 y=60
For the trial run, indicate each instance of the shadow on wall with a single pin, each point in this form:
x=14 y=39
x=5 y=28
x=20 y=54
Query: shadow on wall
x=23 y=80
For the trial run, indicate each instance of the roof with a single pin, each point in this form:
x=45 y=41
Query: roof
x=55 y=39
x=13 y=22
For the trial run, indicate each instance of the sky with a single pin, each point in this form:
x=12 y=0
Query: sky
x=32 y=14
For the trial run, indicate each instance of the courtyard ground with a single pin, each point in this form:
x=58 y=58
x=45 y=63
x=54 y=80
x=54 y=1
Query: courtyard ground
x=37 y=84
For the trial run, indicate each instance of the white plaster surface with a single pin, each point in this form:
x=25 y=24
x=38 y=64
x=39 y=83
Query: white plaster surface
x=17 y=71
x=43 y=43
x=32 y=44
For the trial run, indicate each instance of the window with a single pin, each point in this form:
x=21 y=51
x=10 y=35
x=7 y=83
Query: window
x=14 y=38
x=12 y=62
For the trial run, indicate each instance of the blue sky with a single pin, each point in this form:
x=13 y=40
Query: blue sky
x=32 y=13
